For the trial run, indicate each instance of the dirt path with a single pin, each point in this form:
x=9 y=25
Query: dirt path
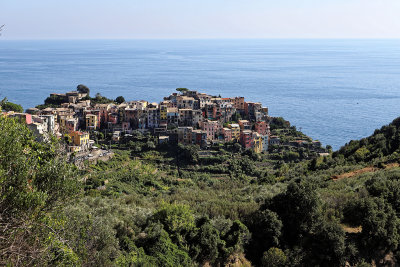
x=363 y=170
x=351 y=230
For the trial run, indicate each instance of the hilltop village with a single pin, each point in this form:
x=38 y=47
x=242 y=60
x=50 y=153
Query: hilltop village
x=185 y=117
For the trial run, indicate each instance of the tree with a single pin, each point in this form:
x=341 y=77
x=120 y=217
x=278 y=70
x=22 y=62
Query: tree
x=238 y=147
x=182 y=90
x=9 y=106
x=188 y=154
x=55 y=100
x=178 y=221
x=388 y=189
x=297 y=208
x=325 y=245
x=266 y=228
x=120 y=99
x=150 y=145
x=206 y=244
x=237 y=237
x=159 y=245
x=236 y=117
x=83 y=89
x=279 y=123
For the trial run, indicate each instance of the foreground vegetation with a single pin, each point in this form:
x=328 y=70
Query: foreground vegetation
x=156 y=205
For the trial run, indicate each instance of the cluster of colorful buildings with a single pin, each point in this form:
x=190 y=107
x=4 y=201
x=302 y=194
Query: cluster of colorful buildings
x=188 y=117
x=45 y=126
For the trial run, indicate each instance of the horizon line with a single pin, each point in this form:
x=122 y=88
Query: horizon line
x=201 y=38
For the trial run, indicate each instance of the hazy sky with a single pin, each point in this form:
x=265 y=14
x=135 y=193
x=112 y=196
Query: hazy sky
x=102 y=19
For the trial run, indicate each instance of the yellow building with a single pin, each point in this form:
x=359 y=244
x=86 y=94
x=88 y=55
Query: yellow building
x=75 y=149
x=235 y=130
x=163 y=112
x=91 y=122
x=258 y=143
x=80 y=139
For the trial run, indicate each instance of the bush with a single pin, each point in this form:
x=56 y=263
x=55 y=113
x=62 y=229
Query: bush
x=274 y=257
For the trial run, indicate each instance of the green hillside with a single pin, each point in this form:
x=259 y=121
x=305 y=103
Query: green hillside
x=173 y=206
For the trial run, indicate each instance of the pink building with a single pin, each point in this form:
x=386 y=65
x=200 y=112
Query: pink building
x=246 y=138
x=227 y=134
x=261 y=127
x=103 y=112
x=211 y=128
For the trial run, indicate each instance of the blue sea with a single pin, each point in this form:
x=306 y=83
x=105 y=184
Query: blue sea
x=333 y=90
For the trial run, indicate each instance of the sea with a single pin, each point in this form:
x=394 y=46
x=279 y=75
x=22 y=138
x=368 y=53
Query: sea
x=333 y=90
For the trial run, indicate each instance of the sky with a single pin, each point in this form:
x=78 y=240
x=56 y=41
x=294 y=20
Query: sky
x=186 y=19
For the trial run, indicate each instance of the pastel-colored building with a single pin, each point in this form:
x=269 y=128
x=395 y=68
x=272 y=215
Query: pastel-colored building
x=199 y=137
x=246 y=139
x=227 y=133
x=210 y=111
x=244 y=125
x=204 y=100
x=251 y=108
x=238 y=103
x=211 y=128
x=261 y=127
x=173 y=116
x=103 y=112
x=80 y=139
x=235 y=130
x=163 y=111
x=197 y=117
x=185 y=135
x=39 y=130
x=274 y=140
x=49 y=120
x=185 y=117
x=185 y=102
x=265 y=141
x=91 y=122
x=153 y=118
x=257 y=142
